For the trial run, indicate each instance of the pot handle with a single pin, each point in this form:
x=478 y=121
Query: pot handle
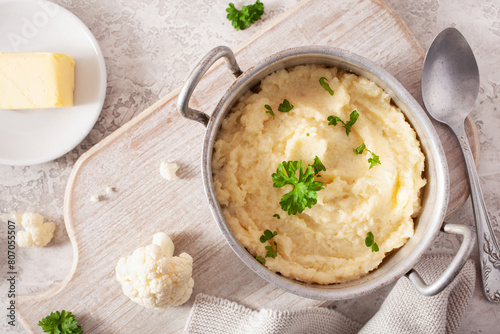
x=455 y=266
x=196 y=75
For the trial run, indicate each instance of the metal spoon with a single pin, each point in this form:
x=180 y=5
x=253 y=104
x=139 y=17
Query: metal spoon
x=450 y=85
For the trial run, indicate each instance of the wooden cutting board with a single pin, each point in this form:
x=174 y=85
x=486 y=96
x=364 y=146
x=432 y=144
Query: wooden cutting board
x=144 y=203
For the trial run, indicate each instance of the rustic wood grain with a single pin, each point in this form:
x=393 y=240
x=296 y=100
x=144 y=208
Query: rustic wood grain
x=144 y=203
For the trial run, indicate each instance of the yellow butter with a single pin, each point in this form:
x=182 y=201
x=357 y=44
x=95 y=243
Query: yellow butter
x=36 y=80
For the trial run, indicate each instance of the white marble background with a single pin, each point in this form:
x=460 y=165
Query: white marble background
x=150 y=47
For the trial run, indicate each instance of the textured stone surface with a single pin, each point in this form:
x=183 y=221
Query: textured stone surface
x=150 y=47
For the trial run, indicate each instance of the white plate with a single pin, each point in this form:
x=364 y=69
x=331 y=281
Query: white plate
x=29 y=137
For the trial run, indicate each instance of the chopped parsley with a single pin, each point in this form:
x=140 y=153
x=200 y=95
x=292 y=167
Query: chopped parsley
x=277 y=216
x=285 y=106
x=370 y=242
x=353 y=117
x=359 y=149
x=318 y=166
x=272 y=252
x=324 y=83
x=269 y=110
x=242 y=19
x=268 y=235
x=261 y=259
x=304 y=189
x=373 y=160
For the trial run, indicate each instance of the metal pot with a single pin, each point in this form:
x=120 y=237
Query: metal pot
x=435 y=195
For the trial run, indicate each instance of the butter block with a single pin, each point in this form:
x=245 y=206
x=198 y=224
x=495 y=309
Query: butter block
x=36 y=80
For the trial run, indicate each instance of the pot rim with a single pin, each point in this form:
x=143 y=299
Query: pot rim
x=415 y=115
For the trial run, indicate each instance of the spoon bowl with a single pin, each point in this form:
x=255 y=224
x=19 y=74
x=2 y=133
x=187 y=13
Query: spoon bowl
x=450 y=78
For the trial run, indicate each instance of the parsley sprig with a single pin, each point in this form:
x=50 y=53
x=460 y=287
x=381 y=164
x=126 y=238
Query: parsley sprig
x=271 y=252
x=304 y=189
x=370 y=242
x=60 y=323
x=242 y=19
x=353 y=117
x=324 y=83
x=373 y=160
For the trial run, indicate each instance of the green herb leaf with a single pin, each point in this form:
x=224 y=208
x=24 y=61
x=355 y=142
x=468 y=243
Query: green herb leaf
x=359 y=149
x=277 y=216
x=271 y=252
x=324 y=83
x=268 y=235
x=269 y=109
x=318 y=166
x=60 y=323
x=332 y=120
x=307 y=134
x=374 y=160
x=369 y=239
x=353 y=117
x=281 y=179
x=370 y=242
x=285 y=106
x=304 y=189
x=242 y=19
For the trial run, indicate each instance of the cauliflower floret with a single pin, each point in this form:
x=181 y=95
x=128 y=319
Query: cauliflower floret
x=153 y=277
x=168 y=170
x=36 y=233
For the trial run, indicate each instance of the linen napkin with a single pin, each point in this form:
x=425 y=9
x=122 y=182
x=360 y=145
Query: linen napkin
x=403 y=311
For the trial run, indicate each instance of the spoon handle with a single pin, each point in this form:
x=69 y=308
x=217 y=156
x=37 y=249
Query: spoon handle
x=489 y=252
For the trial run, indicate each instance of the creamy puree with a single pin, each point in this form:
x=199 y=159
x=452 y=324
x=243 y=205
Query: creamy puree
x=326 y=243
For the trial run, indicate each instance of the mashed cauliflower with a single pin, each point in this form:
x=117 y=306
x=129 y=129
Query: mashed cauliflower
x=326 y=243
